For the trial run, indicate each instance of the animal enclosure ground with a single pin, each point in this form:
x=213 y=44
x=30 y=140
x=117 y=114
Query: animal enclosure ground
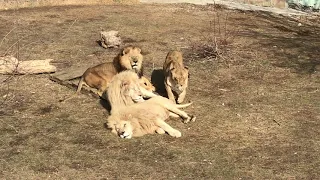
x=257 y=104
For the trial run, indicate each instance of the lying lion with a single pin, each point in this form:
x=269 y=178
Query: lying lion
x=144 y=82
x=176 y=76
x=99 y=76
x=129 y=118
x=143 y=118
x=126 y=88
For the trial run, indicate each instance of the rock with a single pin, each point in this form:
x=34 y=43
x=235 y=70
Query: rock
x=110 y=39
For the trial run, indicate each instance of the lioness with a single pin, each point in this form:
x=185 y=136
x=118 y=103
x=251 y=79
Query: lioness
x=98 y=77
x=176 y=76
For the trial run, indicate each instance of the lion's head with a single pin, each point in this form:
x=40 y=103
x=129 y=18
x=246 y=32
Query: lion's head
x=124 y=89
x=144 y=82
x=131 y=59
x=178 y=78
x=122 y=128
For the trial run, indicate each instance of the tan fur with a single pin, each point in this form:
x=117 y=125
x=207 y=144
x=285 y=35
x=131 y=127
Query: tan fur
x=145 y=117
x=144 y=82
x=176 y=76
x=125 y=89
x=98 y=77
x=131 y=122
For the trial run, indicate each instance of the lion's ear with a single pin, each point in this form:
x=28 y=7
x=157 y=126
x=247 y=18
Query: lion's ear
x=110 y=124
x=125 y=83
x=125 y=51
x=138 y=49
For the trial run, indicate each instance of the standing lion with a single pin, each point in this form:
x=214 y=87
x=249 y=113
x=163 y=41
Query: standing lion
x=98 y=77
x=176 y=76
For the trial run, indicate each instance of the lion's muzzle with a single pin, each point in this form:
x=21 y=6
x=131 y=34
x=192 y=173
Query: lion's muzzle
x=125 y=135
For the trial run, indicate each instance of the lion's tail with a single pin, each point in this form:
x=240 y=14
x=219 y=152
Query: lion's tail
x=81 y=82
x=183 y=105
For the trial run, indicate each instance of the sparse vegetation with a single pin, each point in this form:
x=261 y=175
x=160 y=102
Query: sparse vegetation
x=217 y=39
x=257 y=115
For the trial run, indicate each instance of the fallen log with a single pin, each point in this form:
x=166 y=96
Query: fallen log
x=11 y=65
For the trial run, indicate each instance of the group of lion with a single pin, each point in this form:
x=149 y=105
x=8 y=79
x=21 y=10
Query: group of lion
x=135 y=108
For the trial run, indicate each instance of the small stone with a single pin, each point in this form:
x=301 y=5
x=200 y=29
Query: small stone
x=110 y=39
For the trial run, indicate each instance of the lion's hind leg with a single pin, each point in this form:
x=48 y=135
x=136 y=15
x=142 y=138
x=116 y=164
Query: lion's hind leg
x=167 y=128
x=174 y=110
x=80 y=84
x=171 y=114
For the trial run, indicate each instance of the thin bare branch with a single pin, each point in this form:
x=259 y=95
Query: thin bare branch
x=7 y=35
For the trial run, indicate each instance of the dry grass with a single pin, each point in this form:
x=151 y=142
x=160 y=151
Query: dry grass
x=216 y=41
x=4 y=4
x=258 y=109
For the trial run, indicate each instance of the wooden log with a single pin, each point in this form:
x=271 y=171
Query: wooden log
x=11 y=65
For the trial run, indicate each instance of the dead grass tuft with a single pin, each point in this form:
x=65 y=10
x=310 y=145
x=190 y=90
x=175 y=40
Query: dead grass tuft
x=215 y=42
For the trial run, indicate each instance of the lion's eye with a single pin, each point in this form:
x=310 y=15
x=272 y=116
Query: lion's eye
x=146 y=84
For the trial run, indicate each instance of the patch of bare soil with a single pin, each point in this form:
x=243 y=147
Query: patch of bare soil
x=257 y=102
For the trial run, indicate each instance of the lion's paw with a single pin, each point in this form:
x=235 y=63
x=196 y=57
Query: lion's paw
x=180 y=100
x=193 y=118
x=175 y=133
x=190 y=118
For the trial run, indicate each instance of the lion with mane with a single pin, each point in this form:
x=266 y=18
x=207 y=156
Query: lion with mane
x=98 y=77
x=132 y=116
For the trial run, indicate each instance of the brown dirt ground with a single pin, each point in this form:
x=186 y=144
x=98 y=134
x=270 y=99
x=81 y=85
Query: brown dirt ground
x=257 y=106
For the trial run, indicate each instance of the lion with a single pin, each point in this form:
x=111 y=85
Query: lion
x=144 y=82
x=140 y=119
x=98 y=77
x=176 y=76
x=127 y=88
x=131 y=115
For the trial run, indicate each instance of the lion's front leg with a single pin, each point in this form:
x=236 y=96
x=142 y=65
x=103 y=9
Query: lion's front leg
x=169 y=92
x=146 y=93
x=182 y=96
x=167 y=128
